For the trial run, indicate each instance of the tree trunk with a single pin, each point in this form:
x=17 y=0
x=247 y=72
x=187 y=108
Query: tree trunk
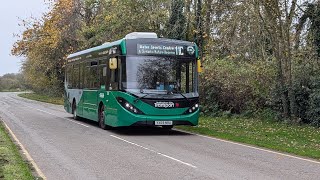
x=281 y=79
x=199 y=27
x=279 y=31
x=188 y=15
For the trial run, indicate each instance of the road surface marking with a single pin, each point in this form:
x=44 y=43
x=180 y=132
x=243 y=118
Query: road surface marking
x=161 y=154
x=252 y=147
x=58 y=116
x=25 y=152
x=217 y=139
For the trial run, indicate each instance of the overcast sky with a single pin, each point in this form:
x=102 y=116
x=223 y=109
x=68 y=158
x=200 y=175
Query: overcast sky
x=10 y=14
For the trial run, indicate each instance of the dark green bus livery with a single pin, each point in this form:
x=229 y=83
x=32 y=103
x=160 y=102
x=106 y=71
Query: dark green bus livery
x=140 y=80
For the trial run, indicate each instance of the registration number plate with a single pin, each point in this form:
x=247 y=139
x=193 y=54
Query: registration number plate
x=163 y=123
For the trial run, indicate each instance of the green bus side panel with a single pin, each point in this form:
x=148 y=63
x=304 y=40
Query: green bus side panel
x=89 y=104
x=111 y=109
x=67 y=105
x=80 y=107
x=70 y=96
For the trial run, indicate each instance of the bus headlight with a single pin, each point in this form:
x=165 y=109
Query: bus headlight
x=193 y=109
x=128 y=106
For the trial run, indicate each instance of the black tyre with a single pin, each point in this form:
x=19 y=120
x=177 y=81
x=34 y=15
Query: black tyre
x=74 y=111
x=102 y=125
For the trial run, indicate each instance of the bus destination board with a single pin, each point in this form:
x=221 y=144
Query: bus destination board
x=155 y=49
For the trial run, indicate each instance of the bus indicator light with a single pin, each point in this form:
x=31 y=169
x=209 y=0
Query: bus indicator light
x=128 y=106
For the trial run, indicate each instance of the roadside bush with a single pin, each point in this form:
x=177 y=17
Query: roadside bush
x=313 y=111
x=236 y=86
x=314 y=108
x=306 y=85
x=11 y=82
x=42 y=81
x=302 y=88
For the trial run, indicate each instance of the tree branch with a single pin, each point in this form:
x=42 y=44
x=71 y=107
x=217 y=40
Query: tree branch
x=292 y=10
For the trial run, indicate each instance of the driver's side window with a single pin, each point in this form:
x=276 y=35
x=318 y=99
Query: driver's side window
x=113 y=76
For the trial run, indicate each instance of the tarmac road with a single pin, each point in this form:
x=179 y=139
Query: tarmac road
x=66 y=149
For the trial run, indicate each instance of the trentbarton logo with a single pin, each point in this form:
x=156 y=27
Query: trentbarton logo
x=164 y=105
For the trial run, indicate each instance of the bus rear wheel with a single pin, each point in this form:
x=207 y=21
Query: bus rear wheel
x=102 y=124
x=74 y=111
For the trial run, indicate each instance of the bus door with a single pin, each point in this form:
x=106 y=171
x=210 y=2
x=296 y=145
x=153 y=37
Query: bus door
x=103 y=80
x=90 y=104
x=81 y=86
x=112 y=87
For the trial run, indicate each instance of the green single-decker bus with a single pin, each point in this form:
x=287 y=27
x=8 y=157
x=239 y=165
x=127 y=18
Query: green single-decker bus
x=140 y=80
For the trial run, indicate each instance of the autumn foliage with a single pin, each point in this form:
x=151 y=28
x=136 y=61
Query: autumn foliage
x=257 y=54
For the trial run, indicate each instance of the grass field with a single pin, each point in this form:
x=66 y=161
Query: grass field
x=12 y=166
x=299 y=140
x=42 y=98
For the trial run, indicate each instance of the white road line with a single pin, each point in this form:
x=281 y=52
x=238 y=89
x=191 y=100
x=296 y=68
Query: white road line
x=58 y=116
x=25 y=152
x=252 y=147
x=217 y=139
x=161 y=154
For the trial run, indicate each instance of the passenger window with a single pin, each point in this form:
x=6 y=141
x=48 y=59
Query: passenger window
x=94 y=79
x=103 y=75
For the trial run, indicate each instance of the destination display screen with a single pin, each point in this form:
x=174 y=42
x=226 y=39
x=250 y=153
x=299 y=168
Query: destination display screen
x=156 y=49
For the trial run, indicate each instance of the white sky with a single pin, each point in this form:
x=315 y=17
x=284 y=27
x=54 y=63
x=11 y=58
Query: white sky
x=11 y=13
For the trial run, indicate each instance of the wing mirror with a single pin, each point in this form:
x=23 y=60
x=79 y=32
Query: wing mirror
x=113 y=63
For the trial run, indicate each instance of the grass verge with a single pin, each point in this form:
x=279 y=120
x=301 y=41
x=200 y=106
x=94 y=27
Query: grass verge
x=42 y=98
x=12 y=90
x=299 y=140
x=12 y=165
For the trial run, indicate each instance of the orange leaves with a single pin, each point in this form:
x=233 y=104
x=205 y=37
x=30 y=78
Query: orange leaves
x=45 y=44
x=44 y=34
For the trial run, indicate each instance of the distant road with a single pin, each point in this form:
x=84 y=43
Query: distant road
x=67 y=149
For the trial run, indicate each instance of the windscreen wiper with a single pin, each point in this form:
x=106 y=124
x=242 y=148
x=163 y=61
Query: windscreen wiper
x=139 y=98
x=178 y=92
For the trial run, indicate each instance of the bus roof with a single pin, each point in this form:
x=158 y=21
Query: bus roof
x=148 y=36
x=97 y=48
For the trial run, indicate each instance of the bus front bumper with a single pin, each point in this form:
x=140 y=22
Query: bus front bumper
x=148 y=120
